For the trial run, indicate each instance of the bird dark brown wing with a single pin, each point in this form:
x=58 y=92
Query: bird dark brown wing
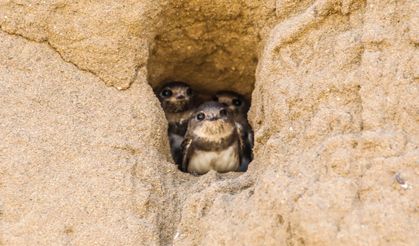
x=241 y=135
x=187 y=149
x=246 y=145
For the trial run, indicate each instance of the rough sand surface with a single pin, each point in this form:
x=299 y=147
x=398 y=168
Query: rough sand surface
x=84 y=157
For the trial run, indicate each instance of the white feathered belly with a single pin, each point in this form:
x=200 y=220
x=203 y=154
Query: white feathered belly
x=221 y=161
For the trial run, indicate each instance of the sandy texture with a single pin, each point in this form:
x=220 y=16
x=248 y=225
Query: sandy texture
x=335 y=109
x=211 y=44
x=103 y=37
x=72 y=152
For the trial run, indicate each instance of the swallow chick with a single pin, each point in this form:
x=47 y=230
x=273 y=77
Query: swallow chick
x=239 y=106
x=178 y=102
x=212 y=141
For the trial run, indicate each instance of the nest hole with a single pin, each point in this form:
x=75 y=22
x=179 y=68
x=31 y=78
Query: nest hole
x=208 y=45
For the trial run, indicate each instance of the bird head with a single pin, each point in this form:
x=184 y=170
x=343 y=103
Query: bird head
x=234 y=101
x=176 y=97
x=212 y=120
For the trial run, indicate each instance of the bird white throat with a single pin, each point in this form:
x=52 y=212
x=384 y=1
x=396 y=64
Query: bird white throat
x=221 y=161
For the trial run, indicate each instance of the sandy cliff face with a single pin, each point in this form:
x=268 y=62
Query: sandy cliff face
x=335 y=110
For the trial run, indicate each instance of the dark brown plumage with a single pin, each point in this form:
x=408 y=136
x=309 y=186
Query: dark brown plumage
x=178 y=102
x=239 y=106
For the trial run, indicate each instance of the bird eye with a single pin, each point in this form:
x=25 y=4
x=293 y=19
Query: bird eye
x=200 y=116
x=189 y=91
x=237 y=102
x=166 y=93
x=223 y=112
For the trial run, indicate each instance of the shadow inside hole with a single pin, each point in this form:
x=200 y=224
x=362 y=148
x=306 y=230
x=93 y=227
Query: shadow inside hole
x=201 y=43
x=210 y=45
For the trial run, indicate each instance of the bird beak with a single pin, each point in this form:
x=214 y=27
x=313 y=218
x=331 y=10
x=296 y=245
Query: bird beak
x=212 y=118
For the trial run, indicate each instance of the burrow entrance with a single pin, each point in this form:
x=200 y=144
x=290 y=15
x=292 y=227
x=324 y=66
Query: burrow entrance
x=210 y=45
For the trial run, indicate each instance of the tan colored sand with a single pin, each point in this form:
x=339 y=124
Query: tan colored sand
x=335 y=109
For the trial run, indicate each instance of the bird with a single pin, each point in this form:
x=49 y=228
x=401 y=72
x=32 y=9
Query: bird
x=178 y=102
x=239 y=106
x=212 y=141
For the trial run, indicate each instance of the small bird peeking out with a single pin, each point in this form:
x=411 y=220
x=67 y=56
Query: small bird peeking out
x=239 y=106
x=212 y=141
x=178 y=102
